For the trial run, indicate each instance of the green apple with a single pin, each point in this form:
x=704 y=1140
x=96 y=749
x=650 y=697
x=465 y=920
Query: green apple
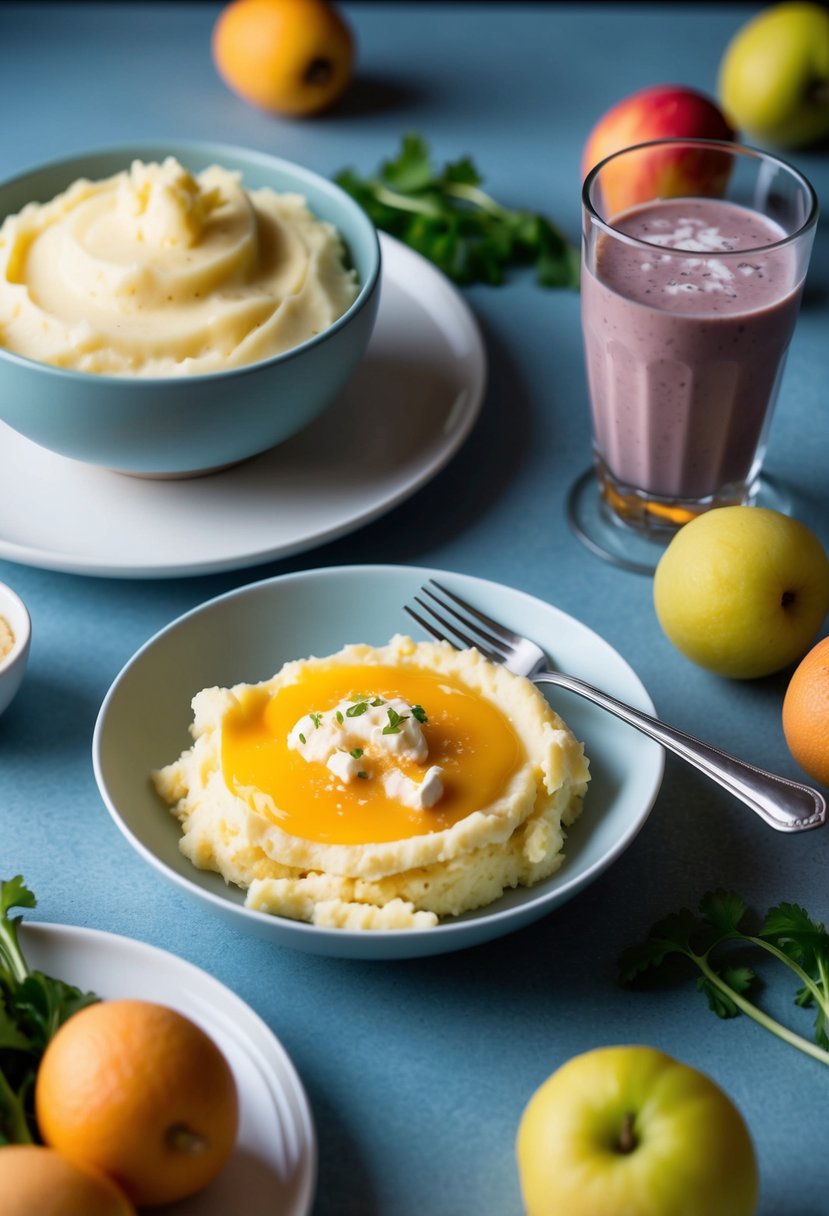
x=774 y=76
x=629 y=1130
x=742 y=590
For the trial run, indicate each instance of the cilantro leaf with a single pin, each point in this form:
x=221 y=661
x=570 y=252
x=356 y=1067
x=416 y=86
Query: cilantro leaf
x=787 y=934
x=445 y=215
x=719 y=996
x=723 y=910
x=803 y=939
x=411 y=170
x=33 y=1006
x=669 y=936
x=13 y=894
x=11 y=1036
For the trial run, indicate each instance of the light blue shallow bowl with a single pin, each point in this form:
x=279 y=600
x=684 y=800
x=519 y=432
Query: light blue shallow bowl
x=185 y=425
x=246 y=636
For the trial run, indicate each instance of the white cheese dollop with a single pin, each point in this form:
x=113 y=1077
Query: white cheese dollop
x=347 y=738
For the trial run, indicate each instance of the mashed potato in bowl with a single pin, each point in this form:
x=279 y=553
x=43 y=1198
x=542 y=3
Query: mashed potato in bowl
x=155 y=271
x=377 y=788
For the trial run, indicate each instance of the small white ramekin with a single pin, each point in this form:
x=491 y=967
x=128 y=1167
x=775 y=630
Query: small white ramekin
x=13 y=664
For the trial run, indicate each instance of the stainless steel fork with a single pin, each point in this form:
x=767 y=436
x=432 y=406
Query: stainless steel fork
x=786 y=805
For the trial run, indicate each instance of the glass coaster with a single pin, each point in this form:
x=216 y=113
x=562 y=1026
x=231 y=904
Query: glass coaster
x=602 y=532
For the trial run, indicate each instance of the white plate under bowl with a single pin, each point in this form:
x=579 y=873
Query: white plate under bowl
x=404 y=414
x=246 y=636
x=274 y=1163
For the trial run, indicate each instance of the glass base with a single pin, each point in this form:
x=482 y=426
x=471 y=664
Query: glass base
x=606 y=535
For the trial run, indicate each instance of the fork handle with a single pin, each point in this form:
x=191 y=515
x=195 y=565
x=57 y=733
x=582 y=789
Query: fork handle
x=786 y=805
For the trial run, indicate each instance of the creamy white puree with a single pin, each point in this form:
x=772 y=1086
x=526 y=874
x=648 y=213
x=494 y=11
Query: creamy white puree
x=157 y=272
x=6 y=638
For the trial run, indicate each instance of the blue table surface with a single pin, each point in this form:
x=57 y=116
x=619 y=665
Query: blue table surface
x=417 y=1072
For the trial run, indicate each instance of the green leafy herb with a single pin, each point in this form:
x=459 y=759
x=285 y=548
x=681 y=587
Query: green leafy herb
x=356 y=752
x=395 y=721
x=357 y=711
x=302 y=738
x=419 y=714
x=363 y=774
x=340 y=718
x=316 y=719
x=447 y=216
x=378 y=701
x=722 y=929
x=33 y=1006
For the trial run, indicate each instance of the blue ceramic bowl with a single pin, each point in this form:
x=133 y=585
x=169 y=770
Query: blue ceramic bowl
x=179 y=426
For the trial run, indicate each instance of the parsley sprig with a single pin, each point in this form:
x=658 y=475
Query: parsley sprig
x=447 y=216
x=712 y=941
x=33 y=1006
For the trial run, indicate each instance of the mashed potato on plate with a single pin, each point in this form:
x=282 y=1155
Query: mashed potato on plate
x=379 y=787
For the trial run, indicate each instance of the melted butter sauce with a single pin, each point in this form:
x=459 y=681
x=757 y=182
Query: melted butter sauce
x=470 y=738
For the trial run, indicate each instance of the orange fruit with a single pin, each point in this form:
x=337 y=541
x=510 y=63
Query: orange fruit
x=806 y=713
x=288 y=56
x=37 y=1181
x=140 y=1093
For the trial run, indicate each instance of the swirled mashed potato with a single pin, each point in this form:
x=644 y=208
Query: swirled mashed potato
x=156 y=272
x=378 y=787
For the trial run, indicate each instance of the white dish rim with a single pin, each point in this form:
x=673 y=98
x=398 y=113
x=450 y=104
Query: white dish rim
x=156 y=962
x=397 y=259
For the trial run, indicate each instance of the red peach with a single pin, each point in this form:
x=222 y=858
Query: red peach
x=659 y=112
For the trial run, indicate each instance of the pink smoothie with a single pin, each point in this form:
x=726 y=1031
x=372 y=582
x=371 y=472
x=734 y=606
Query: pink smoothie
x=685 y=340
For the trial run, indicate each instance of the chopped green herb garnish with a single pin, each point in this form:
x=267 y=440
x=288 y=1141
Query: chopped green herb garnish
x=357 y=711
x=316 y=719
x=394 y=722
x=787 y=934
x=340 y=718
x=378 y=701
x=363 y=774
x=356 y=752
x=446 y=216
x=419 y=713
x=302 y=738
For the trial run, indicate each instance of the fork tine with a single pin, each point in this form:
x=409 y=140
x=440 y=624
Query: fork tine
x=497 y=630
x=425 y=625
x=497 y=639
x=448 y=627
x=450 y=632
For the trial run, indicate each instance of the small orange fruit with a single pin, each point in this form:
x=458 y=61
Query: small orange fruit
x=37 y=1181
x=140 y=1093
x=806 y=713
x=288 y=56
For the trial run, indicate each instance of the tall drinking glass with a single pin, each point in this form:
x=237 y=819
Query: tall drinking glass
x=694 y=255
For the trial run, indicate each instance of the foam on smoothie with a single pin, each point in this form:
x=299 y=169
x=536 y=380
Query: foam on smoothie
x=698 y=226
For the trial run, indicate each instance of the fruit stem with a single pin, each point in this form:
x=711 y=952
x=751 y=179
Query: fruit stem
x=627 y=1140
x=318 y=72
x=182 y=1139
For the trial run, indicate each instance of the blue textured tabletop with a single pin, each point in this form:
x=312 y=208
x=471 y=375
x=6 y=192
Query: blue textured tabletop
x=417 y=1072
